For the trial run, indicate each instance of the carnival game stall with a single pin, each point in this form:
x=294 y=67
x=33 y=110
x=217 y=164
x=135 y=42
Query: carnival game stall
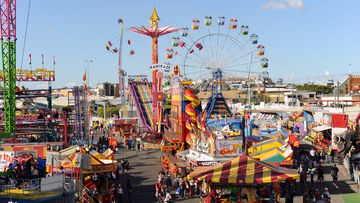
x=94 y=168
x=320 y=136
x=75 y=156
x=268 y=122
x=266 y=145
x=241 y=175
x=338 y=123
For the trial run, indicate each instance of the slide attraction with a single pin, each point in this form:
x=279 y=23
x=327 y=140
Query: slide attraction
x=141 y=95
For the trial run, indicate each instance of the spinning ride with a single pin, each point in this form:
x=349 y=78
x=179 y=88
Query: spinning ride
x=221 y=49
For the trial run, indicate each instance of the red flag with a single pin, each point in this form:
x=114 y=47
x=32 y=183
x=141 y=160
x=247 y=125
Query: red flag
x=84 y=76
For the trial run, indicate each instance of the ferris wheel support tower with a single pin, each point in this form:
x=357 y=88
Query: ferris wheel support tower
x=8 y=54
x=154 y=32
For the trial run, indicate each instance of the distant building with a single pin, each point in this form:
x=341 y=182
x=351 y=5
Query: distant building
x=300 y=98
x=351 y=85
x=107 y=89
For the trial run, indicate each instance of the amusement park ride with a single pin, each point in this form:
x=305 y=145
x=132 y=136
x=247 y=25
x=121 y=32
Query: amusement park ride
x=33 y=118
x=155 y=32
x=224 y=51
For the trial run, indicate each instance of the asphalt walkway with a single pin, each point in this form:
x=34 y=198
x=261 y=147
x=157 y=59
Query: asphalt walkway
x=146 y=165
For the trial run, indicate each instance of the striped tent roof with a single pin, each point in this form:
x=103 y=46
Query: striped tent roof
x=245 y=170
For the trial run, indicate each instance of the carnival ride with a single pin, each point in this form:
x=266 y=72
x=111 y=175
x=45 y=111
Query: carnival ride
x=141 y=95
x=8 y=53
x=154 y=31
x=110 y=46
x=216 y=53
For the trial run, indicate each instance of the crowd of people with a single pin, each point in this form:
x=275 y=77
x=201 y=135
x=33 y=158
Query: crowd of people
x=183 y=187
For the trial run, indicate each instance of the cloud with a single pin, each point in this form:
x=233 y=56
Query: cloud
x=284 y=4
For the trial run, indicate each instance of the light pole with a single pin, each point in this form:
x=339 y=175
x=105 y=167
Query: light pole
x=248 y=88
x=88 y=70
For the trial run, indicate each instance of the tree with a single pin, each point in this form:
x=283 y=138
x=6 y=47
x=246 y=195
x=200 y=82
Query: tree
x=324 y=89
x=280 y=81
x=110 y=111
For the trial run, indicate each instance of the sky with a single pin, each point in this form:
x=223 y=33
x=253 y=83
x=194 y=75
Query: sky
x=305 y=40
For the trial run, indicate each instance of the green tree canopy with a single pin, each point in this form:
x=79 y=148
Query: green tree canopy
x=315 y=88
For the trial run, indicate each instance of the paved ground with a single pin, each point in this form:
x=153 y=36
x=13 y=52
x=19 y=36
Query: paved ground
x=146 y=165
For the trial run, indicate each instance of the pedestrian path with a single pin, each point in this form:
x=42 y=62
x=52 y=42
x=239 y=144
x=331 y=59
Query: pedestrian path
x=146 y=165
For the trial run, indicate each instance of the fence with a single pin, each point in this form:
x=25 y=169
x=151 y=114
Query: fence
x=38 y=185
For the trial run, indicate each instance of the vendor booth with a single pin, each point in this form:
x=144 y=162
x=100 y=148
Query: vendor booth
x=239 y=176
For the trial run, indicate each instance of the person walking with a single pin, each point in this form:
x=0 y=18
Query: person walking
x=113 y=193
x=332 y=155
x=320 y=173
x=119 y=195
x=129 y=190
x=326 y=195
x=306 y=197
x=312 y=171
x=334 y=173
x=95 y=196
x=167 y=197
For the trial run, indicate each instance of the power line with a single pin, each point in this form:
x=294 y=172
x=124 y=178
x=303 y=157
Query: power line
x=26 y=30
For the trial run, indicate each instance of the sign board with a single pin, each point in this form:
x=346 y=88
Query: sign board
x=207 y=163
x=105 y=168
x=176 y=90
x=228 y=147
x=25 y=152
x=137 y=76
x=164 y=67
x=6 y=157
x=37 y=150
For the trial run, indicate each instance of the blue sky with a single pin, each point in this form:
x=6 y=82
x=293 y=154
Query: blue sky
x=304 y=39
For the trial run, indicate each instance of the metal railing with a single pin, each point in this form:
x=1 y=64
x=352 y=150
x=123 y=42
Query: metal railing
x=35 y=186
x=21 y=186
x=90 y=195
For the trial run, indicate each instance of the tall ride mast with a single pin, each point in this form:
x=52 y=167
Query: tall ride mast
x=8 y=54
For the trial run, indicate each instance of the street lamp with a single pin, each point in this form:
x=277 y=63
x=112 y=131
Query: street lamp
x=88 y=70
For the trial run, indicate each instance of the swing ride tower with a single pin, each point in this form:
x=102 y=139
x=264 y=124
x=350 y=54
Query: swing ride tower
x=154 y=31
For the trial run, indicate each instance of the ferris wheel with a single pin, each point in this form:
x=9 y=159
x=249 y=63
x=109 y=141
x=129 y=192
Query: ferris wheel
x=216 y=50
x=216 y=45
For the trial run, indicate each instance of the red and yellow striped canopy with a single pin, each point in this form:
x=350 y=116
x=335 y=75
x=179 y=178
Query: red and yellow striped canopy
x=244 y=170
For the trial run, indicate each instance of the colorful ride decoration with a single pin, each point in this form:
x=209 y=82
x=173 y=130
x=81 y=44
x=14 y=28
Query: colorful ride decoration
x=267 y=144
x=38 y=74
x=276 y=156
